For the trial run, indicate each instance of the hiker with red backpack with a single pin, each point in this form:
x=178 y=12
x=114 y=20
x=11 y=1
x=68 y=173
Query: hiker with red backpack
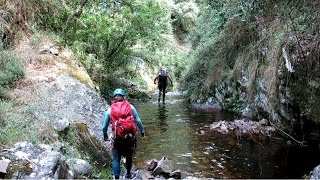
x=125 y=122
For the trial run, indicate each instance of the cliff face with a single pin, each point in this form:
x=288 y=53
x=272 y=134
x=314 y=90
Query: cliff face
x=55 y=87
x=282 y=88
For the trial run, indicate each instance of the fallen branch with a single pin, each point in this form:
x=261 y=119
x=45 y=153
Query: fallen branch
x=299 y=142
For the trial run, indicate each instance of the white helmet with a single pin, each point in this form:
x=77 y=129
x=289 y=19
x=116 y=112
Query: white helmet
x=163 y=72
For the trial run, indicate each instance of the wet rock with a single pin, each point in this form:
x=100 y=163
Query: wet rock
x=165 y=164
x=207 y=107
x=152 y=164
x=146 y=174
x=30 y=162
x=160 y=169
x=243 y=127
x=175 y=174
x=315 y=174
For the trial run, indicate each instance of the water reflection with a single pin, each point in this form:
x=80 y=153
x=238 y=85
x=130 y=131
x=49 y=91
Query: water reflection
x=184 y=136
x=162 y=115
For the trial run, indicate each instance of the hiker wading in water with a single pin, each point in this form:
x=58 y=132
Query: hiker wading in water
x=162 y=79
x=125 y=122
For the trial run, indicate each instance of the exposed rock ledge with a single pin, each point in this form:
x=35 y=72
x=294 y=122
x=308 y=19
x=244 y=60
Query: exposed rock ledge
x=243 y=127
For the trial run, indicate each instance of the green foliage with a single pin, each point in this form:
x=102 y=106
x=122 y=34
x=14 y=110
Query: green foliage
x=14 y=15
x=304 y=16
x=175 y=61
x=4 y=108
x=11 y=68
x=13 y=130
x=71 y=140
x=115 y=36
x=107 y=35
x=102 y=173
x=4 y=93
x=233 y=104
x=227 y=29
x=195 y=81
x=178 y=64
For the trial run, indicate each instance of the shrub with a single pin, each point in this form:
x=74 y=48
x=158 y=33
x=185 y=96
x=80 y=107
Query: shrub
x=11 y=128
x=11 y=68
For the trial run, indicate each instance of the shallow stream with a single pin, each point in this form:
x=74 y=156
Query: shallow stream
x=182 y=134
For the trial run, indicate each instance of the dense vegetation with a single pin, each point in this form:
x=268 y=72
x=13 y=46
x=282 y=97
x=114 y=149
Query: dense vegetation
x=113 y=38
x=230 y=40
x=227 y=31
x=11 y=70
x=242 y=52
x=110 y=38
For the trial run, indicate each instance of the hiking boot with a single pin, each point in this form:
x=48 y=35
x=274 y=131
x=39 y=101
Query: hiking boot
x=128 y=176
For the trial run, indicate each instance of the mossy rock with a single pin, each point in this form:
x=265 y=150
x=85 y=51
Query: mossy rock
x=89 y=145
x=23 y=167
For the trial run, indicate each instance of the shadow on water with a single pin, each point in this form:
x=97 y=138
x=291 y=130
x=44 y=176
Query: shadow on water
x=183 y=135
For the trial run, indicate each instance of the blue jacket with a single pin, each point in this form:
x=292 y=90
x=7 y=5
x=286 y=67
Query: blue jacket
x=106 y=120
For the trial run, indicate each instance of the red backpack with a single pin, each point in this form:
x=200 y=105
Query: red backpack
x=122 y=119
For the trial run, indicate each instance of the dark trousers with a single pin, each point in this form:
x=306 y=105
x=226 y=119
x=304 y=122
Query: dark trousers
x=122 y=148
x=162 y=89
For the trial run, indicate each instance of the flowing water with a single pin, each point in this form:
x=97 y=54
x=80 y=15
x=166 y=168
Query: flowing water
x=182 y=134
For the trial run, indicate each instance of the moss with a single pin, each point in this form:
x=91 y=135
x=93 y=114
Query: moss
x=91 y=146
x=23 y=167
x=81 y=76
x=80 y=143
x=48 y=62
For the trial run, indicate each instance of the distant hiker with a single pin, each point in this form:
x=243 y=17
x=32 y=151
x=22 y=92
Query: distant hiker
x=162 y=79
x=124 y=119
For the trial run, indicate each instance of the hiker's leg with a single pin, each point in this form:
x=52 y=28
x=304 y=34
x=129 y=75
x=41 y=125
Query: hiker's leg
x=159 y=88
x=160 y=91
x=116 y=162
x=164 y=93
x=159 y=95
x=129 y=154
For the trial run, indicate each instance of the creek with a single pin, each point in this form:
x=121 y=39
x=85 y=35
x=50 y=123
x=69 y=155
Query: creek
x=182 y=134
